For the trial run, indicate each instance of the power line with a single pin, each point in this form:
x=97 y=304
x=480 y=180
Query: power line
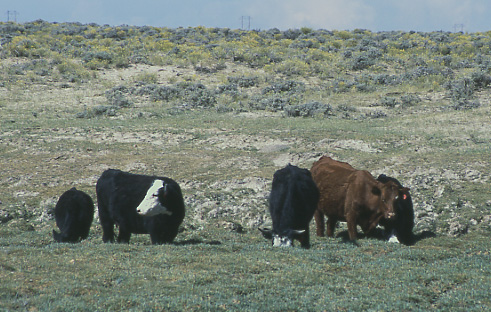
x=12 y=13
x=244 y=19
x=458 y=28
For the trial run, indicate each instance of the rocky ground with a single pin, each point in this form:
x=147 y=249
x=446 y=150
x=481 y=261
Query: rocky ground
x=35 y=159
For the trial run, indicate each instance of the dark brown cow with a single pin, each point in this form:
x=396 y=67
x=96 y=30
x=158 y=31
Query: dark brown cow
x=350 y=195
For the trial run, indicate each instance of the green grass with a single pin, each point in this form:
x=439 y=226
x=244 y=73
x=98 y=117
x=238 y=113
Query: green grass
x=220 y=270
x=55 y=134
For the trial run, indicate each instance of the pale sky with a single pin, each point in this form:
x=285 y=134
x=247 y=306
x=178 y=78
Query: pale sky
x=374 y=15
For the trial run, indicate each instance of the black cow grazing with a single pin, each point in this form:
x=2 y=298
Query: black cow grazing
x=400 y=228
x=74 y=213
x=292 y=203
x=139 y=204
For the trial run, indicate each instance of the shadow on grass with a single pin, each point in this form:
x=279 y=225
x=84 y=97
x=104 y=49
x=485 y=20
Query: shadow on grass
x=423 y=235
x=195 y=241
x=380 y=235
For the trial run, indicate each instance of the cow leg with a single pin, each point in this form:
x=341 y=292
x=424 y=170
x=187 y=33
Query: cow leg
x=305 y=239
x=331 y=225
x=108 y=233
x=351 y=228
x=85 y=233
x=157 y=238
x=107 y=224
x=124 y=234
x=319 y=222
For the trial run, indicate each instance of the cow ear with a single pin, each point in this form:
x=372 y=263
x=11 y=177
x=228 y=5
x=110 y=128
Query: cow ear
x=163 y=191
x=404 y=191
x=382 y=177
x=376 y=191
x=267 y=233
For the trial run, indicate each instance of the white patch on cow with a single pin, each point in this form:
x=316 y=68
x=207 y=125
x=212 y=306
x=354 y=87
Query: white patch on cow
x=393 y=239
x=150 y=205
x=281 y=241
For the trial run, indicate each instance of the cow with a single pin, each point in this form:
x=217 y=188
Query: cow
x=292 y=203
x=399 y=229
x=139 y=204
x=351 y=195
x=74 y=213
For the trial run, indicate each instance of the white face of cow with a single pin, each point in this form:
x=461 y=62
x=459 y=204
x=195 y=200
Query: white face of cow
x=150 y=205
x=281 y=241
x=393 y=238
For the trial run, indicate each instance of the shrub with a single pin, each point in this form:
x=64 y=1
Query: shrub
x=362 y=61
x=22 y=47
x=273 y=104
x=346 y=108
x=310 y=109
x=100 y=110
x=147 y=78
x=230 y=88
x=100 y=56
x=410 y=100
x=303 y=44
x=289 y=86
x=196 y=95
x=464 y=104
x=163 y=93
x=386 y=79
x=462 y=89
x=376 y=114
x=116 y=97
x=293 y=67
x=389 y=102
x=156 y=92
x=480 y=79
x=72 y=72
x=244 y=82
x=292 y=34
x=365 y=87
x=341 y=85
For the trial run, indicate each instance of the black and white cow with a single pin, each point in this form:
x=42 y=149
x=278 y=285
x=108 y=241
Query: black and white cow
x=74 y=213
x=139 y=204
x=400 y=228
x=292 y=203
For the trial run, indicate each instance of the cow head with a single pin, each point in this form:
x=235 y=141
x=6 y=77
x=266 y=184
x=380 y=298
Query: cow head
x=285 y=239
x=390 y=194
x=153 y=203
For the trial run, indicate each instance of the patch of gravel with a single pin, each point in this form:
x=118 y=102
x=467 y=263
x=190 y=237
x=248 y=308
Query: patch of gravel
x=358 y=145
x=242 y=200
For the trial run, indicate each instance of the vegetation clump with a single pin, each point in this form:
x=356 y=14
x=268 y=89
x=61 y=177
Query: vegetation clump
x=311 y=109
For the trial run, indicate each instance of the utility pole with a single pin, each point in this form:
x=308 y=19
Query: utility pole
x=458 y=28
x=14 y=14
x=244 y=18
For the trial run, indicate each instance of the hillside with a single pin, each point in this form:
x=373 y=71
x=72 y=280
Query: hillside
x=413 y=105
x=220 y=110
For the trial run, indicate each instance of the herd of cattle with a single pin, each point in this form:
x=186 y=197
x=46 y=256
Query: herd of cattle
x=154 y=205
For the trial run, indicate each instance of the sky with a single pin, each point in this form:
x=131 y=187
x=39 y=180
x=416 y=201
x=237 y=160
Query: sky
x=374 y=15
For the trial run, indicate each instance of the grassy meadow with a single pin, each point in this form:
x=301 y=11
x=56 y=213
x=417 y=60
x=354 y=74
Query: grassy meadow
x=220 y=110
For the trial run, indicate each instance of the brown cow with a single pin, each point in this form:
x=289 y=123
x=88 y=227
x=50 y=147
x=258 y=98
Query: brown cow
x=350 y=195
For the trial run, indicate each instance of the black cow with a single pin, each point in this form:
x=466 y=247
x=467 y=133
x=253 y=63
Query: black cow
x=399 y=229
x=74 y=213
x=292 y=203
x=139 y=204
